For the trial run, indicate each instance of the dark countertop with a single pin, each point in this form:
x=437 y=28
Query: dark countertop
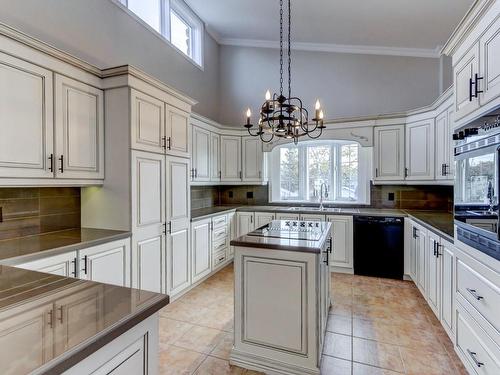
x=25 y=249
x=437 y=221
x=203 y=213
x=115 y=311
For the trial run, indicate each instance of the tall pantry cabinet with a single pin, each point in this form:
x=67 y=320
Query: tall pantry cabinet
x=146 y=189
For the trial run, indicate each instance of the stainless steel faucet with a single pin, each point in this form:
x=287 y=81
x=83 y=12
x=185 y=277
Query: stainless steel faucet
x=321 y=194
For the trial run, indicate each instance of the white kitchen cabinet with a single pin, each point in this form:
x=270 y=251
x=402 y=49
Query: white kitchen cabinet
x=444 y=146
x=233 y=231
x=215 y=172
x=79 y=130
x=489 y=52
x=447 y=253
x=148 y=221
x=201 y=154
x=287 y=216
x=389 y=155
x=263 y=218
x=62 y=264
x=312 y=217
x=201 y=249
x=178 y=210
x=421 y=255
x=343 y=241
x=420 y=150
x=433 y=273
x=464 y=80
x=26 y=108
x=413 y=251
x=147 y=122
x=19 y=332
x=78 y=317
x=230 y=158
x=245 y=222
x=252 y=159
x=108 y=263
x=132 y=360
x=177 y=132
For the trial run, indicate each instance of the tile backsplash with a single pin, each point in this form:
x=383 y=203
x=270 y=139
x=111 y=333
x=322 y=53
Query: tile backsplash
x=28 y=211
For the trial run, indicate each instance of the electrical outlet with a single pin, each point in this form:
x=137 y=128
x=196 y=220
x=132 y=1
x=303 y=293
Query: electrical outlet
x=390 y=196
x=230 y=194
x=249 y=194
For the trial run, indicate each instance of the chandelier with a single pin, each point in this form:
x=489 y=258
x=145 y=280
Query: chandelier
x=282 y=116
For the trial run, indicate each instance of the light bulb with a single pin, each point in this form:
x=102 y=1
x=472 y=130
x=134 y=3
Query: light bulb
x=321 y=115
x=268 y=95
x=318 y=105
x=249 y=113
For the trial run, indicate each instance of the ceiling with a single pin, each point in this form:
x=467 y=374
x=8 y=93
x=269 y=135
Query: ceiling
x=423 y=25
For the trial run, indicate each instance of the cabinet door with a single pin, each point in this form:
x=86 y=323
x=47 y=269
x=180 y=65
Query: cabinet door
x=343 y=240
x=108 y=263
x=200 y=249
x=420 y=150
x=230 y=158
x=489 y=46
x=443 y=144
x=215 y=173
x=252 y=159
x=463 y=71
x=78 y=317
x=312 y=217
x=433 y=271
x=79 y=127
x=389 y=153
x=61 y=264
x=178 y=216
x=413 y=252
x=245 y=222
x=131 y=360
x=26 y=109
x=421 y=260
x=26 y=340
x=263 y=218
x=147 y=116
x=447 y=290
x=287 y=216
x=201 y=154
x=178 y=132
x=233 y=231
x=148 y=221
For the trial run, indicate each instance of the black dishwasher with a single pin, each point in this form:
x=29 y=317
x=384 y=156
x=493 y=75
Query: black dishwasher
x=379 y=246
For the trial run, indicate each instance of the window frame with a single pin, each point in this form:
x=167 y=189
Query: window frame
x=187 y=15
x=364 y=166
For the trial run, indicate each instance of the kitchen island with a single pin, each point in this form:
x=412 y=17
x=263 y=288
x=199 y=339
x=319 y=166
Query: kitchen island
x=282 y=297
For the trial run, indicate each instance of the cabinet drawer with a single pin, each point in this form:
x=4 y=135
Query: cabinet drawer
x=219 y=233
x=219 y=221
x=475 y=346
x=219 y=258
x=219 y=245
x=480 y=292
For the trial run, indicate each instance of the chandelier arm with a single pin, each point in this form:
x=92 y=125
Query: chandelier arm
x=317 y=136
x=290 y=49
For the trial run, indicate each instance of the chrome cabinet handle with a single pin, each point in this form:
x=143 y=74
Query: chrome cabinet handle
x=473 y=356
x=474 y=294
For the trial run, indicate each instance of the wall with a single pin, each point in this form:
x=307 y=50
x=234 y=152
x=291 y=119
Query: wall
x=101 y=33
x=28 y=211
x=347 y=84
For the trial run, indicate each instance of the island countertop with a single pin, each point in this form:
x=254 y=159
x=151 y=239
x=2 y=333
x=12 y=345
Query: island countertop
x=29 y=248
x=94 y=314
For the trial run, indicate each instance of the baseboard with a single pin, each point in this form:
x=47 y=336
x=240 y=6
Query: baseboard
x=342 y=270
x=267 y=366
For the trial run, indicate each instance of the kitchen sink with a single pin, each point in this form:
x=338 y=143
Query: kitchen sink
x=324 y=209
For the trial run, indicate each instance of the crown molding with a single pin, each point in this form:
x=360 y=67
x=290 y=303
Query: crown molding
x=337 y=48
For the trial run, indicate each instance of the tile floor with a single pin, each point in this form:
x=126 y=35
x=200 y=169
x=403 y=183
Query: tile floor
x=376 y=327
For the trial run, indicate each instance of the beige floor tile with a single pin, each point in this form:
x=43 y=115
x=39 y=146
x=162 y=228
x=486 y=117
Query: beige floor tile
x=426 y=362
x=377 y=354
x=218 y=317
x=335 y=366
x=362 y=369
x=339 y=324
x=200 y=339
x=339 y=308
x=338 y=346
x=217 y=366
x=171 y=330
x=179 y=361
x=183 y=312
x=223 y=349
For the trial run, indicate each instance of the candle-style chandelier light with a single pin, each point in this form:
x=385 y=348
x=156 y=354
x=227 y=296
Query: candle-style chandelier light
x=282 y=116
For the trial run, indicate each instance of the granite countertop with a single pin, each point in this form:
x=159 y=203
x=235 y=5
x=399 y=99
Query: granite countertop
x=286 y=244
x=203 y=213
x=439 y=221
x=25 y=249
x=116 y=310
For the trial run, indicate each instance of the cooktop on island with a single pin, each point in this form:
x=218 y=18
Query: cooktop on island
x=298 y=230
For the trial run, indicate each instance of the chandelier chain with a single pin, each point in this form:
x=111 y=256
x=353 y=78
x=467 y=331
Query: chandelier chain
x=281 y=47
x=289 y=49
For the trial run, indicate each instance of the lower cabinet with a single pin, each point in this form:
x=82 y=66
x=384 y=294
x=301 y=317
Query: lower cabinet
x=200 y=249
x=433 y=273
x=447 y=287
x=178 y=261
x=263 y=218
x=61 y=265
x=342 y=237
x=245 y=222
x=233 y=231
x=420 y=256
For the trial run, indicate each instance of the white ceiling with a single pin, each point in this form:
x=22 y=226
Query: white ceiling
x=423 y=25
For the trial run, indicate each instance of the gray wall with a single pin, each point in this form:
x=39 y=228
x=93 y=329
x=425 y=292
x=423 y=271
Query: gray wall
x=347 y=84
x=99 y=32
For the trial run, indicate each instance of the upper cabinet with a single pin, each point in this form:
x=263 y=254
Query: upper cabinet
x=389 y=156
x=420 y=150
x=230 y=158
x=26 y=108
x=148 y=122
x=201 y=155
x=252 y=159
x=79 y=129
x=215 y=172
x=489 y=52
x=444 y=146
x=464 y=77
x=177 y=132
